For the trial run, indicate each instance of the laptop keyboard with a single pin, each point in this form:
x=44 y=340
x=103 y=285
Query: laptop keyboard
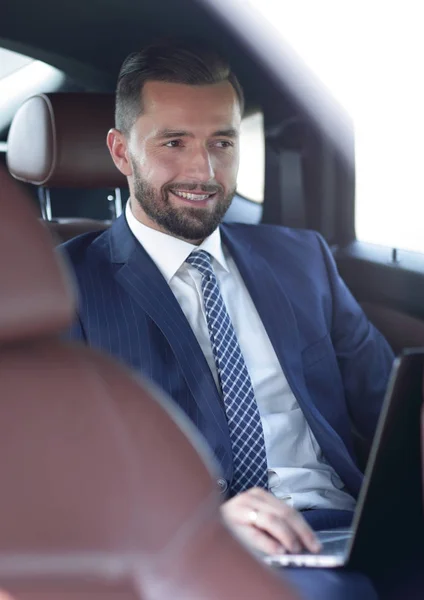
x=334 y=542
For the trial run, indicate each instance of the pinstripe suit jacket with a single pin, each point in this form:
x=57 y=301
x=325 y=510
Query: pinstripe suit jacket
x=335 y=361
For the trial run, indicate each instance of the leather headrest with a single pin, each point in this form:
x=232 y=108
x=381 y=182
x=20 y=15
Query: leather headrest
x=36 y=297
x=59 y=140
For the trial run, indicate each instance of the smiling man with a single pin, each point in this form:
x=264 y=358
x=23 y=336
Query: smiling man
x=249 y=329
x=182 y=156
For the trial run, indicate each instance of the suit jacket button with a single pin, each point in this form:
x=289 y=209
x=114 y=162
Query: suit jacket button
x=223 y=485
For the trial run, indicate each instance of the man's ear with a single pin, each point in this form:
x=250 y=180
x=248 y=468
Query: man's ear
x=118 y=148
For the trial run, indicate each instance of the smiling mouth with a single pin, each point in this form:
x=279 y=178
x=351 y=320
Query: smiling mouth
x=191 y=196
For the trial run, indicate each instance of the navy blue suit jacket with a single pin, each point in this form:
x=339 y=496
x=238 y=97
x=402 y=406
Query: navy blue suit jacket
x=335 y=361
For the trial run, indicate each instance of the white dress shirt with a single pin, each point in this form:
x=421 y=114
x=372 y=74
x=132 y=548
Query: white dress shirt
x=297 y=471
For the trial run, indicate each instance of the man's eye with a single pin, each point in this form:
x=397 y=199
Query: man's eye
x=173 y=144
x=224 y=144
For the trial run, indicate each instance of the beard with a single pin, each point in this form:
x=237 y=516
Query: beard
x=188 y=223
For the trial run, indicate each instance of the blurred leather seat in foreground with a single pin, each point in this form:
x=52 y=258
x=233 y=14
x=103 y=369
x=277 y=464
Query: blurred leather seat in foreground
x=102 y=494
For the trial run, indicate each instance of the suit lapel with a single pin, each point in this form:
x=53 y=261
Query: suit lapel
x=270 y=300
x=140 y=277
x=278 y=317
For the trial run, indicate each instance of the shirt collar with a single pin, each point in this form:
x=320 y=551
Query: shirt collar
x=170 y=253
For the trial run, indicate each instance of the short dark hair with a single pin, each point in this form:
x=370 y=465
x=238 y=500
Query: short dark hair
x=173 y=61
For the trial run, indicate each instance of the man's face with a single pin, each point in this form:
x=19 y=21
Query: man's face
x=182 y=157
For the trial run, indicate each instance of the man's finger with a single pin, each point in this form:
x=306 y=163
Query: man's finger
x=305 y=533
x=266 y=502
x=285 y=524
x=258 y=539
x=281 y=530
x=259 y=509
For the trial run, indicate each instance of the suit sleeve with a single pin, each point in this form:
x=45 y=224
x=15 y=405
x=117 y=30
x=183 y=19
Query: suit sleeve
x=76 y=330
x=364 y=357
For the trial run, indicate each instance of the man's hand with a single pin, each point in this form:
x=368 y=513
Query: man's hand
x=268 y=524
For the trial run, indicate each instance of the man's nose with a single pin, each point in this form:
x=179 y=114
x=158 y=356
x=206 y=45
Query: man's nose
x=200 y=165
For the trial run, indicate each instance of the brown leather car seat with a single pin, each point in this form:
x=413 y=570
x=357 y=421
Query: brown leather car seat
x=63 y=229
x=59 y=141
x=102 y=493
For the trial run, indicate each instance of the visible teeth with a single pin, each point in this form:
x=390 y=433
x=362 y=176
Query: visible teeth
x=187 y=196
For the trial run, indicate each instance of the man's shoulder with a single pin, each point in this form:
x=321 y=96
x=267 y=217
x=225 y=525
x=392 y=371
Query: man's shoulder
x=85 y=247
x=267 y=235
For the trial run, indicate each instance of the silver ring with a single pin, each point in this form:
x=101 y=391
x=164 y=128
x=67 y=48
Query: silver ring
x=252 y=516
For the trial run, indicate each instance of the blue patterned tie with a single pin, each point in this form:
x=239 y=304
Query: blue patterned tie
x=244 y=422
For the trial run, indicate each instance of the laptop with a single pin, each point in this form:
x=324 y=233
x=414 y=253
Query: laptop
x=389 y=511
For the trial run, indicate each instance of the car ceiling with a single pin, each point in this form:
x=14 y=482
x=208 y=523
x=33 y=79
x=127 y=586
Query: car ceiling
x=88 y=39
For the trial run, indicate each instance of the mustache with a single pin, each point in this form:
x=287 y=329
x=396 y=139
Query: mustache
x=207 y=188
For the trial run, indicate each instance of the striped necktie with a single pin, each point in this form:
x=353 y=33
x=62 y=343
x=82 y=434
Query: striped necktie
x=244 y=422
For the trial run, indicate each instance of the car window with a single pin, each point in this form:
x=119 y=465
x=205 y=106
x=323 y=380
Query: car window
x=20 y=78
x=251 y=176
x=11 y=62
x=370 y=57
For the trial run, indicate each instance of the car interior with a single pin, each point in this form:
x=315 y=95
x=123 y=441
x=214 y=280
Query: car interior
x=301 y=168
x=308 y=181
